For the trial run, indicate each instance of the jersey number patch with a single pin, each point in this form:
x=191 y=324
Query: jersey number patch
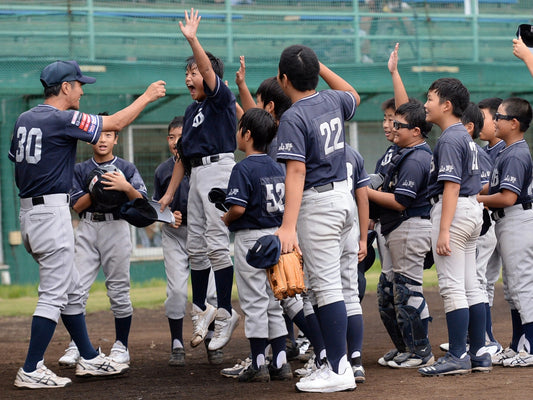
x=29 y=145
x=332 y=130
x=275 y=196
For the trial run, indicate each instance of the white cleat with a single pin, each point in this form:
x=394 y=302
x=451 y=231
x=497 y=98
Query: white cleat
x=41 y=378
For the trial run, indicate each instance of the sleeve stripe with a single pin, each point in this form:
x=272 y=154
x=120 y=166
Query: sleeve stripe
x=291 y=156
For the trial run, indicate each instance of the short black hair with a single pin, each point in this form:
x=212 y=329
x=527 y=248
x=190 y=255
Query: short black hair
x=389 y=103
x=52 y=91
x=261 y=125
x=452 y=90
x=473 y=114
x=271 y=91
x=414 y=113
x=175 y=123
x=216 y=63
x=300 y=64
x=491 y=104
x=520 y=109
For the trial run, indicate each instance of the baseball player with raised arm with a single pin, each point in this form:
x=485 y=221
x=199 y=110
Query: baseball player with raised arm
x=209 y=143
x=319 y=208
x=103 y=239
x=456 y=218
x=43 y=149
x=509 y=195
x=174 y=243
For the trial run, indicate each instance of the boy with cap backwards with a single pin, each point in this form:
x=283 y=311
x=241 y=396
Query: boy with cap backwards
x=43 y=148
x=255 y=198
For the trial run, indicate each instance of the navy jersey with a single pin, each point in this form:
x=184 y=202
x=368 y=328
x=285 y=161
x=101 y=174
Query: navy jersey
x=485 y=164
x=43 y=148
x=82 y=170
x=163 y=174
x=312 y=131
x=383 y=164
x=257 y=183
x=409 y=182
x=512 y=171
x=355 y=170
x=455 y=159
x=209 y=126
x=494 y=150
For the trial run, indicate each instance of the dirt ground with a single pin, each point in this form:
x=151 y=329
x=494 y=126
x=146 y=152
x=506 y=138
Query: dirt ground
x=151 y=378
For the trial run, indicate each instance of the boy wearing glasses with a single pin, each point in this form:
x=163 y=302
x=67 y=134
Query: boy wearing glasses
x=407 y=229
x=456 y=218
x=509 y=196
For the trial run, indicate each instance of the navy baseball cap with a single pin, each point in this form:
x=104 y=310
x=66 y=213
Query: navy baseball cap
x=525 y=31
x=265 y=252
x=63 y=71
x=141 y=212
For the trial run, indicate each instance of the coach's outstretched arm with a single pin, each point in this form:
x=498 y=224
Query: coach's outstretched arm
x=523 y=52
x=335 y=82
x=126 y=116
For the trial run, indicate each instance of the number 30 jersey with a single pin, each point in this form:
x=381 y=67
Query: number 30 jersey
x=257 y=183
x=312 y=132
x=43 y=148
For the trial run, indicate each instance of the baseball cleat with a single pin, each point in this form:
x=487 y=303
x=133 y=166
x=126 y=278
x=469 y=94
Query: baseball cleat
x=448 y=365
x=308 y=368
x=237 y=369
x=324 y=380
x=71 y=356
x=522 y=359
x=492 y=348
x=100 y=366
x=283 y=373
x=41 y=378
x=481 y=362
x=177 y=357
x=412 y=360
x=119 y=353
x=446 y=347
x=500 y=357
x=250 y=374
x=359 y=373
x=215 y=357
x=225 y=324
x=389 y=356
x=200 y=322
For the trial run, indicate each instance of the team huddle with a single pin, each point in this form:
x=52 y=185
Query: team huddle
x=300 y=188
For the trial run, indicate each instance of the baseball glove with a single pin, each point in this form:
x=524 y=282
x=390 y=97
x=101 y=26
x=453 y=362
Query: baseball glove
x=287 y=276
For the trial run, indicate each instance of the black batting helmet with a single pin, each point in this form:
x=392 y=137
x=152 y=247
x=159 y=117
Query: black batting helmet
x=104 y=199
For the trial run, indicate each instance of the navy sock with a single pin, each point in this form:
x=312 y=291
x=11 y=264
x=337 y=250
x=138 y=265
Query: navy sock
x=75 y=325
x=354 y=335
x=476 y=327
x=122 y=329
x=518 y=329
x=315 y=336
x=176 y=330
x=257 y=346
x=278 y=345
x=528 y=331
x=301 y=322
x=457 y=321
x=488 y=323
x=199 y=280
x=290 y=329
x=42 y=330
x=333 y=324
x=224 y=284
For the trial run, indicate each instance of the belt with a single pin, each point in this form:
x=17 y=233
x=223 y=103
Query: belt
x=197 y=161
x=435 y=199
x=50 y=199
x=500 y=213
x=99 y=216
x=324 y=188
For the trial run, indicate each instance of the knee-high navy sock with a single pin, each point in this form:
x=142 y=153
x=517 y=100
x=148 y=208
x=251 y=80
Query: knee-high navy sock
x=75 y=325
x=476 y=327
x=224 y=284
x=42 y=330
x=290 y=328
x=199 y=280
x=457 y=321
x=518 y=329
x=488 y=323
x=314 y=334
x=122 y=329
x=354 y=337
x=528 y=332
x=257 y=347
x=279 y=354
x=333 y=324
x=300 y=321
x=176 y=330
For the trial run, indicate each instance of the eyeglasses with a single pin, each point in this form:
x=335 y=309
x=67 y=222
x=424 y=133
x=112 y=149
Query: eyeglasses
x=499 y=116
x=399 y=125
